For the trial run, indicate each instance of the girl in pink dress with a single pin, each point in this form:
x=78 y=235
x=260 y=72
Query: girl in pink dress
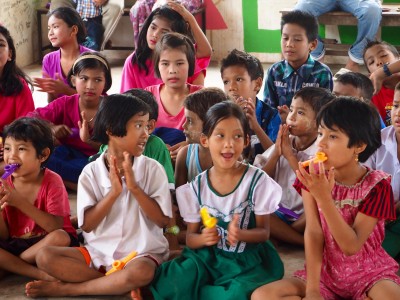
x=138 y=71
x=346 y=208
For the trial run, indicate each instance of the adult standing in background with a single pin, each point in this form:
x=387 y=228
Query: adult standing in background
x=368 y=14
x=111 y=12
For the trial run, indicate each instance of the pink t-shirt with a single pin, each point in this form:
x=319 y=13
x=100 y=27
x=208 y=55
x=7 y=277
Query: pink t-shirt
x=65 y=110
x=51 y=198
x=133 y=77
x=15 y=106
x=164 y=118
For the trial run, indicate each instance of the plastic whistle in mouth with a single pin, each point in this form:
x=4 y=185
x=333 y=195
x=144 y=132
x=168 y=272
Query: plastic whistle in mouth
x=319 y=157
x=9 y=169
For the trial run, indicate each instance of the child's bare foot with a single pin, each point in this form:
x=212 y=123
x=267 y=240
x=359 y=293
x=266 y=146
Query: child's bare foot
x=40 y=288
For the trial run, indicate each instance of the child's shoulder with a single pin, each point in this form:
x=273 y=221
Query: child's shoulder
x=320 y=67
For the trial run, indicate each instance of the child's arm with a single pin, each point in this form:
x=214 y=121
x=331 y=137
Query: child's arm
x=270 y=166
x=44 y=219
x=196 y=239
x=379 y=75
x=149 y=206
x=181 y=171
x=349 y=238
x=287 y=151
x=259 y=234
x=84 y=132
x=203 y=46
x=52 y=86
x=4 y=233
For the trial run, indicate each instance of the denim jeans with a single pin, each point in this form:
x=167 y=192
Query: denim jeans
x=368 y=13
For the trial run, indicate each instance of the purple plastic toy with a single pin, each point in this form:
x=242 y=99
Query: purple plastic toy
x=288 y=212
x=75 y=132
x=9 y=169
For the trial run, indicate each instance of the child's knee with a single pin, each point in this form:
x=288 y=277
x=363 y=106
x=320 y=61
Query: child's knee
x=44 y=256
x=59 y=238
x=141 y=273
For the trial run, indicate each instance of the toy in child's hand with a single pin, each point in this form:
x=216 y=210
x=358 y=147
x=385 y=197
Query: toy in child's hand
x=288 y=212
x=9 y=169
x=208 y=221
x=75 y=132
x=319 y=157
x=119 y=264
x=172 y=230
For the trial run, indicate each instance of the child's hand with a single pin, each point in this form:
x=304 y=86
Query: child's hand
x=61 y=131
x=116 y=182
x=180 y=9
x=313 y=296
x=249 y=109
x=84 y=128
x=317 y=182
x=7 y=195
x=210 y=236
x=233 y=230
x=283 y=112
x=1 y=152
x=285 y=142
x=50 y=85
x=131 y=183
x=173 y=150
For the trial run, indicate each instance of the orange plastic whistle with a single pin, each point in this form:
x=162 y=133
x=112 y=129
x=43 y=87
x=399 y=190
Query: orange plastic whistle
x=319 y=157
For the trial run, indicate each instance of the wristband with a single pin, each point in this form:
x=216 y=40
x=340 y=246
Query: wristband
x=386 y=70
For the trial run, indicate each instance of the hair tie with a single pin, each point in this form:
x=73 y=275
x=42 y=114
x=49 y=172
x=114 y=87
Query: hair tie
x=102 y=60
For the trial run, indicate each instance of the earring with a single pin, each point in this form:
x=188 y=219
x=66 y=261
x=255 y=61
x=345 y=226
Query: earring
x=356 y=158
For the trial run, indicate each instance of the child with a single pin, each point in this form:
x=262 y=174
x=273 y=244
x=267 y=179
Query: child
x=123 y=203
x=174 y=60
x=298 y=69
x=138 y=71
x=72 y=116
x=345 y=213
x=386 y=159
x=67 y=32
x=193 y=159
x=281 y=160
x=242 y=75
x=378 y=55
x=230 y=260
x=34 y=203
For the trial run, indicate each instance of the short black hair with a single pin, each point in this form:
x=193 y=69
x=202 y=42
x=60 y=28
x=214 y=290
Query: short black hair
x=34 y=130
x=174 y=40
x=243 y=59
x=224 y=110
x=147 y=98
x=200 y=101
x=71 y=17
x=304 y=20
x=388 y=46
x=114 y=113
x=316 y=97
x=358 y=120
x=359 y=81
x=91 y=63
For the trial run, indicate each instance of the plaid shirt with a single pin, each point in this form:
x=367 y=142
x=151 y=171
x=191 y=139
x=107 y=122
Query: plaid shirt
x=87 y=9
x=282 y=81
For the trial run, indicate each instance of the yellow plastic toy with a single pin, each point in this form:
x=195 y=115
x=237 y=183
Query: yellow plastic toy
x=119 y=264
x=208 y=221
x=319 y=157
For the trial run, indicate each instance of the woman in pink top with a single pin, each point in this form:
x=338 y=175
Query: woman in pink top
x=174 y=59
x=67 y=32
x=138 y=68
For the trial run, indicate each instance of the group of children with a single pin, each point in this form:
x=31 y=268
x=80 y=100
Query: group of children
x=237 y=156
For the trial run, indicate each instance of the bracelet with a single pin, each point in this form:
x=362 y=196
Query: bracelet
x=386 y=70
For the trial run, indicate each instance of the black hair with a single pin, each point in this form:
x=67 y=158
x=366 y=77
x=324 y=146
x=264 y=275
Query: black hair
x=72 y=18
x=10 y=80
x=386 y=45
x=147 y=98
x=397 y=87
x=358 y=120
x=91 y=63
x=304 y=20
x=315 y=97
x=241 y=58
x=359 y=81
x=200 y=101
x=174 y=40
x=224 y=110
x=178 y=24
x=114 y=113
x=34 y=130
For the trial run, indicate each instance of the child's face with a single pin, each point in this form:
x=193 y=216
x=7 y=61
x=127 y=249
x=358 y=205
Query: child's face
x=193 y=127
x=5 y=52
x=378 y=55
x=89 y=84
x=23 y=153
x=174 y=68
x=59 y=32
x=226 y=143
x=136 y=136
x=340 y=89
x=295 y=45
x=238 y=83
x=395 y=113
x=301 y=118
x=157 y=28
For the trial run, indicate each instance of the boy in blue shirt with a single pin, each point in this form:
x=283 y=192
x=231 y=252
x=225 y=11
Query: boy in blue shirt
x=242 y=75
x=299 y=32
